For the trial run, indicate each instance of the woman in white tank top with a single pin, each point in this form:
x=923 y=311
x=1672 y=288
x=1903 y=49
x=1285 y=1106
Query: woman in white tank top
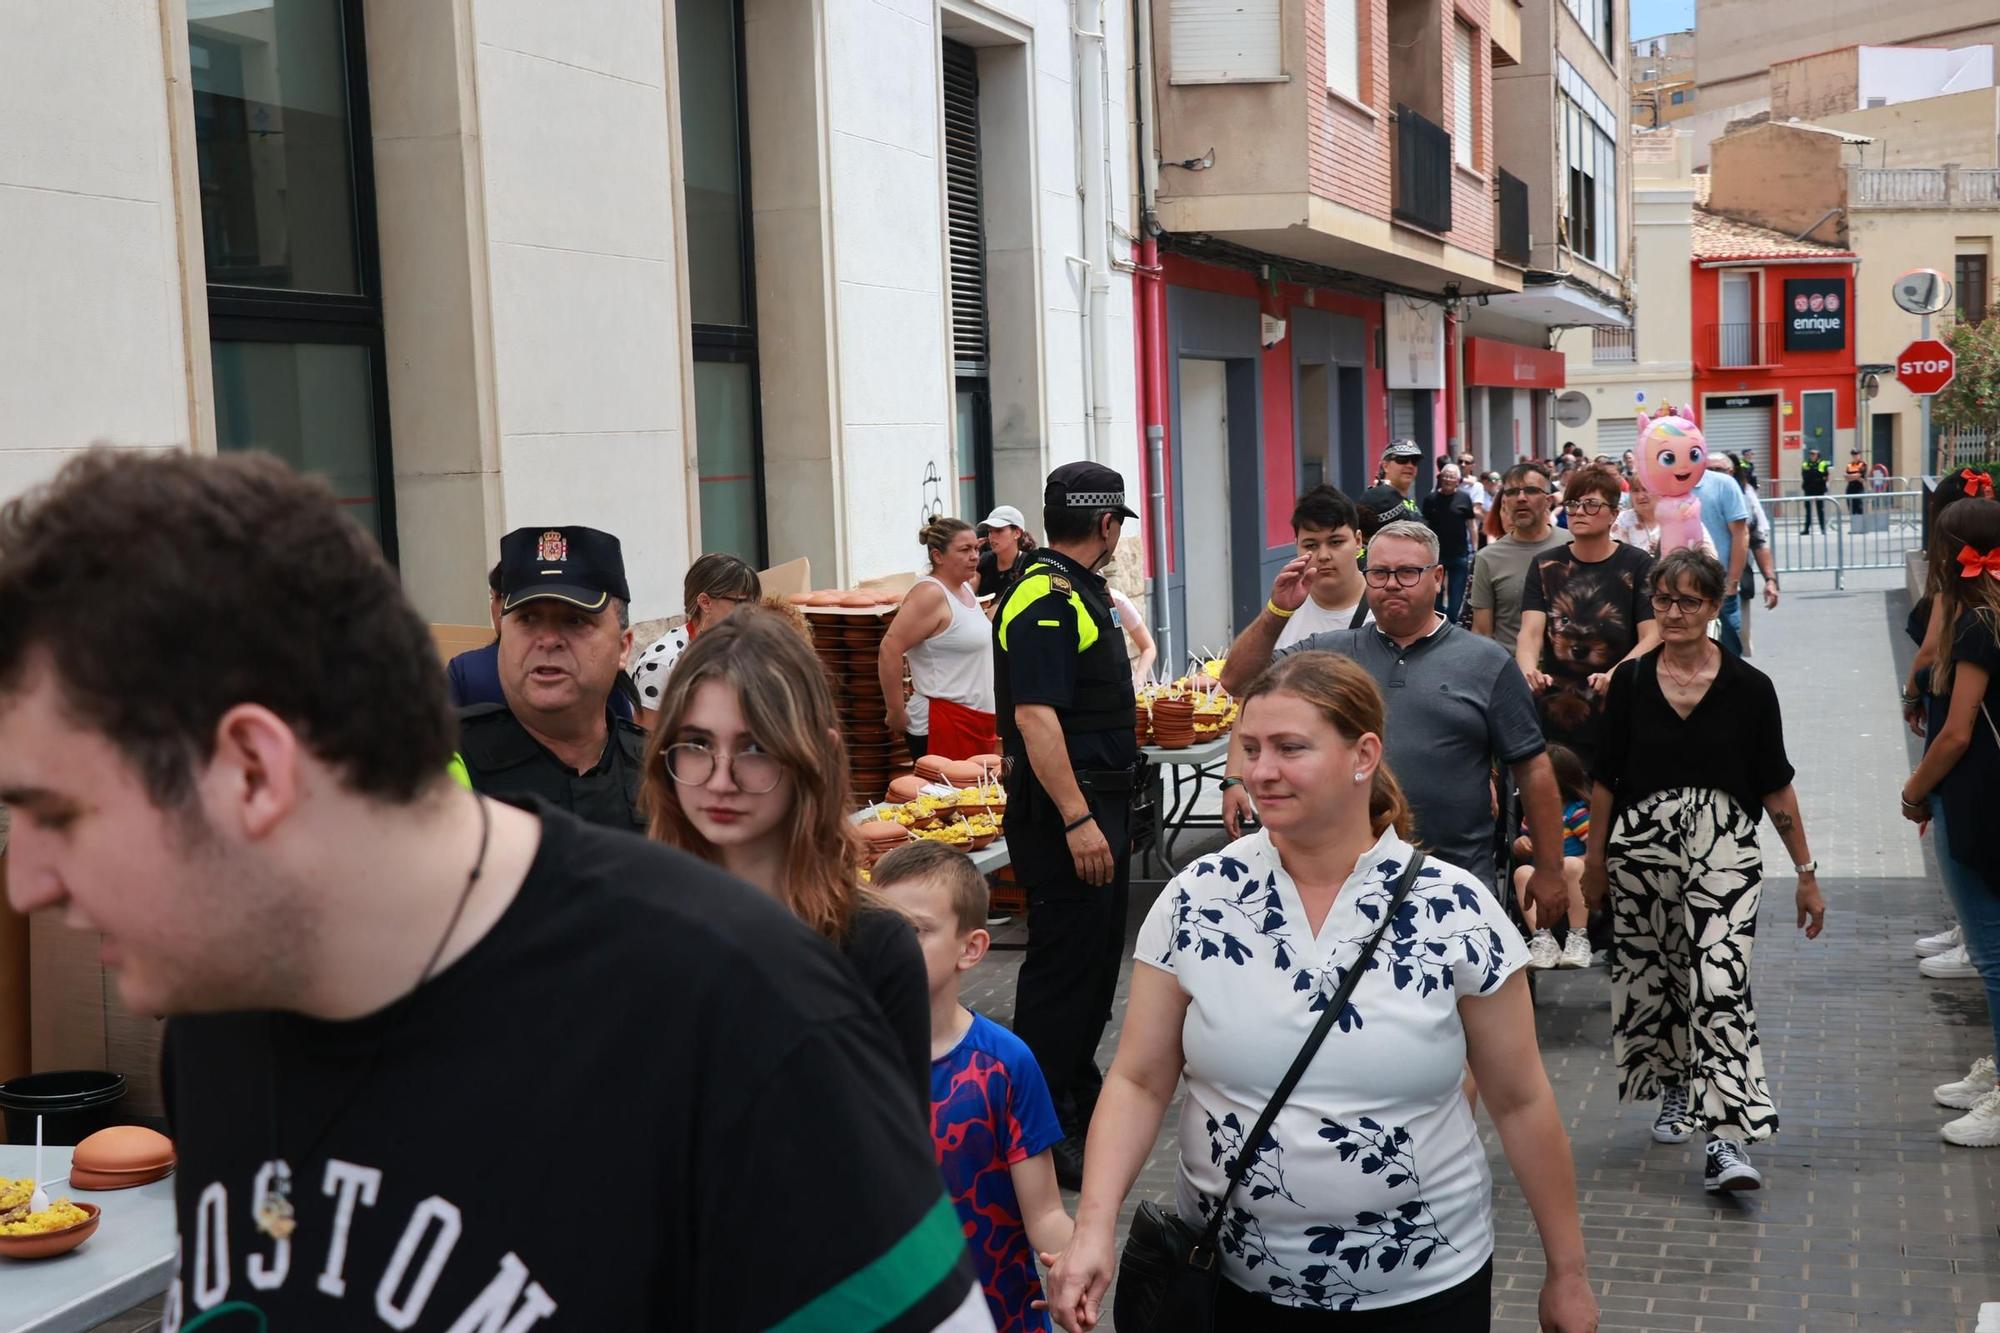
x=948 y=643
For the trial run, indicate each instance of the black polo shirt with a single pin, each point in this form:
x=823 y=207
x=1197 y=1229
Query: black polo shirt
x=503 y=760
x=1041 y=662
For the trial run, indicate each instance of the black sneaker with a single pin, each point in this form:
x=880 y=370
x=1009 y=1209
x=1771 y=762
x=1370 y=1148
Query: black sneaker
x=1674 y=1124
x=1729 y=1168
x=1068 y=1154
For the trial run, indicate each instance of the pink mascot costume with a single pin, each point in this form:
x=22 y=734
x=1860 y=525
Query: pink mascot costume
x=1671 y=458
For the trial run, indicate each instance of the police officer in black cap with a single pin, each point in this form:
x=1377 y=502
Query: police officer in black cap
x=564 y=637
x=1065 y=700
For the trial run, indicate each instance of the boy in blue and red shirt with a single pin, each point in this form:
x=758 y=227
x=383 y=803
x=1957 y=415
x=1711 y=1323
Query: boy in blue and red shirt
x=991 y=1115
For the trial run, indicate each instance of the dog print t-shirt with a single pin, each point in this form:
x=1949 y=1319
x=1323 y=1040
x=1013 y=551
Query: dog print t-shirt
x=1594 y=610
x=1371 y=1189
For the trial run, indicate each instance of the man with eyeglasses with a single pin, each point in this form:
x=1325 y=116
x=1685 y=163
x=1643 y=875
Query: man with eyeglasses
x=1456 y=705
x=1500 y=573
x=564 y=631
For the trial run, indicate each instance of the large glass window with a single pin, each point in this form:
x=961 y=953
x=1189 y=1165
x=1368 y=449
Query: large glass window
x=282 y=153
x=729 y=450
x=1587 y=132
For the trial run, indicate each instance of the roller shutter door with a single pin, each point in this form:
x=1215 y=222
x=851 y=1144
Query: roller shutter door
x=1741 y=430
x=1615 y=435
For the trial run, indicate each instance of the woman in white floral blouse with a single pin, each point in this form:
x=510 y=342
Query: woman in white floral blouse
x=1369 y=1204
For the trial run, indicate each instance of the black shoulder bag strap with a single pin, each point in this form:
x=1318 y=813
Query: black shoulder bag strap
x=1360 y=616
x=1204 y=1253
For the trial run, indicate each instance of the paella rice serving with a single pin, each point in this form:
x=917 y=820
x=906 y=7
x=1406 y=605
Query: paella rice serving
x=16 y=1220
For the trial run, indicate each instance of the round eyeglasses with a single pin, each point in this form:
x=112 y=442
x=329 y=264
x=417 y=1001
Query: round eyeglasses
x=1405 y=575
x=752 y=771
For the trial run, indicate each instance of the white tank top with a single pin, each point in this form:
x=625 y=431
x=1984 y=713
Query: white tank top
x=956 y=663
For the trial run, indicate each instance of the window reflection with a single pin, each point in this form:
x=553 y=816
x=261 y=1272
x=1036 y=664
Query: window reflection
x=311 y=404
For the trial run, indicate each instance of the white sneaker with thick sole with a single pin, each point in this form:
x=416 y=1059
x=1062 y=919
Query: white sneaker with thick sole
x=1978 y=1127
x=1951 y=965
x=1675 y=1123
x=1542 y=951
x=1575 y=950
x=1944 y=941
x=1962 y=1094
x=1728 y=1168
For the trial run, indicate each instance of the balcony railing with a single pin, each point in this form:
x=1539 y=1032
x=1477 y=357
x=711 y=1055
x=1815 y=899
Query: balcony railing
x=1423 y=171
x=1980 y=186
x=1899 y=185
x=1512 y=196
x=1743 y=344
x=1611 y=345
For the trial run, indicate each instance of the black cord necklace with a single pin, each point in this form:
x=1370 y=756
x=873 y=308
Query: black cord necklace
x=275 y=1215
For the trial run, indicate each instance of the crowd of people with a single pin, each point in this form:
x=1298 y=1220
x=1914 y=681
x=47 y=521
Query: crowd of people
x=571 y=895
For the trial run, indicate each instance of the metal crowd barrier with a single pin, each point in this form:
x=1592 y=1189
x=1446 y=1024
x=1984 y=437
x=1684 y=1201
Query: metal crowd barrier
x=1836 y=533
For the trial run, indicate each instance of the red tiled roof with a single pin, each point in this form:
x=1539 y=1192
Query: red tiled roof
x=1718 y=237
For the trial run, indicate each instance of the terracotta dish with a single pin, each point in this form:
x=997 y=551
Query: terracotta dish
x=124 y=1150
x=99 y=1182
x=51 y=1243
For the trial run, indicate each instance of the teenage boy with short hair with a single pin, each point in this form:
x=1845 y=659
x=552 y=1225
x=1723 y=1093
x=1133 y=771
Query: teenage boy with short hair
x=991 y=1114
x=1327 y=528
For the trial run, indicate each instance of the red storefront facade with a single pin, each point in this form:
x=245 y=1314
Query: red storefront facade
x=1772 y=345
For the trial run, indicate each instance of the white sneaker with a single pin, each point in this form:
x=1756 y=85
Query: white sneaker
x=1675 y=1123
x=1951 y=965
x=1575 y=950
x=1942 y=942
x=1542 y=951
x=1728 y=1167
x=1961 y=1094
x=1978 y=1127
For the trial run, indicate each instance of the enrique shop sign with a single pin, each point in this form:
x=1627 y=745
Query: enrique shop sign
x=1815 y=314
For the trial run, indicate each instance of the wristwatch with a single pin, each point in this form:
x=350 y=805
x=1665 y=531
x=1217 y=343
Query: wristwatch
x=1807 y=868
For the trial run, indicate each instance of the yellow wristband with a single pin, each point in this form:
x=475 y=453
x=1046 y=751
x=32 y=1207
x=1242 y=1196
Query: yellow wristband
x=1279 y=611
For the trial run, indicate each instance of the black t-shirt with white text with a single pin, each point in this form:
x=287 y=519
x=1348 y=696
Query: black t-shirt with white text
x=648 y=1098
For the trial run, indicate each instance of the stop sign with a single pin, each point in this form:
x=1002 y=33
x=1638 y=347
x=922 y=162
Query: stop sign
x=1926 y=366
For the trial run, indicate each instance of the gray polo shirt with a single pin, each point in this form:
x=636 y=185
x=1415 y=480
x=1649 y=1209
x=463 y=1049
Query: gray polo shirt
x=1456 y=702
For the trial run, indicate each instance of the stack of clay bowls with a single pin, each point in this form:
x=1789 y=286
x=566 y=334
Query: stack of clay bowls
x=1142 y=723
x=1173 y=722
x=847 y=634
x=991 y=767
x=121 y=1157
x=879 y=837
x=932 y=768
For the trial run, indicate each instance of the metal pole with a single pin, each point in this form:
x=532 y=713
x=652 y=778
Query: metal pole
x=1840 y=551
x=1925 y=461
x=1156 y=541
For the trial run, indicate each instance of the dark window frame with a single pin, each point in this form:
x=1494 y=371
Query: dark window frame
x=736 y=344
x=238 y=313
x=1971 y=275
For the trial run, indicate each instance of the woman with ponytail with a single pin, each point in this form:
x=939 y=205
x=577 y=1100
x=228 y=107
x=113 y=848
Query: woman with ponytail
x=1368 y=1204
x=948 y=643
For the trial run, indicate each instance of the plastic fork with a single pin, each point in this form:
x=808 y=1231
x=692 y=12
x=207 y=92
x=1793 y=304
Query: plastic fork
x=38 y=1200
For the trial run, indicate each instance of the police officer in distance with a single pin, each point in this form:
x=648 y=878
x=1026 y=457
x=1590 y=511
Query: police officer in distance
x=1064 y=709
x=564 y=636
x=1812 y=481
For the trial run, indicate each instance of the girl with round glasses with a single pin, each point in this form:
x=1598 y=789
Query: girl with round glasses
x=746 y=769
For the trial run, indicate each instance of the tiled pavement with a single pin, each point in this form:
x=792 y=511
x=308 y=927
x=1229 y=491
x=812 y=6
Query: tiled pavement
x=1867 y=1220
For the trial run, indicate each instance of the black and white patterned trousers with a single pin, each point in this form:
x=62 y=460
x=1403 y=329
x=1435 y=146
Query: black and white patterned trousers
x=1686 y=876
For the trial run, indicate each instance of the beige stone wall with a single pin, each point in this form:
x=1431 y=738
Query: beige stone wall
x=1777 y=177
x=1736 y=41
x=1817 y=85
x=1962 y=128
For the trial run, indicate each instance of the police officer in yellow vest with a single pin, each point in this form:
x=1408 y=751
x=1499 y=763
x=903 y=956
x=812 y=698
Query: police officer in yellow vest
x=1812 y=481
x=1064 y=691
x=564 y=636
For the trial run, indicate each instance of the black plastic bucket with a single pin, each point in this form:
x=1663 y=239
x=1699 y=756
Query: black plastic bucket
x=73 y=1104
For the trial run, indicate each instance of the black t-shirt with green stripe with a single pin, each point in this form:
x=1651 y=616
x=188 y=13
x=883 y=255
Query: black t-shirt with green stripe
x=648 y=1099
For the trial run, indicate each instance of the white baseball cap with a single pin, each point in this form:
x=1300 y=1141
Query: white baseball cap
x=1004 y=516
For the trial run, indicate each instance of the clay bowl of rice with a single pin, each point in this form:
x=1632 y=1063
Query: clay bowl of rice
x=57 y=1229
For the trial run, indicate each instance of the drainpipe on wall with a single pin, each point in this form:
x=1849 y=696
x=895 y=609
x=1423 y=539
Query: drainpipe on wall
x=1092 y=110
x=1152 y=338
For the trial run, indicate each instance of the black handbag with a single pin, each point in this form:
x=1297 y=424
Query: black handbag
x=1168 y=1276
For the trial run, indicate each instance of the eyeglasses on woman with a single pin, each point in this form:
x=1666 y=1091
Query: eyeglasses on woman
x=753 y=772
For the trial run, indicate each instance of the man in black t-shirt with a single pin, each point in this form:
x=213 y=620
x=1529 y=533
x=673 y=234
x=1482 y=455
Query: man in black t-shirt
x=1448 y=511
x=433 y=1062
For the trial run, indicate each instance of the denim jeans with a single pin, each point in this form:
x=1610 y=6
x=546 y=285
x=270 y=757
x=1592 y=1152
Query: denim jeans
x=1978 y=907
x=1457 y=572
x=1732 y=625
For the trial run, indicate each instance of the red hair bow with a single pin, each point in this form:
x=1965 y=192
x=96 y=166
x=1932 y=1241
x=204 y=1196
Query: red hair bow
x=1971 y=564
x=1978 y=485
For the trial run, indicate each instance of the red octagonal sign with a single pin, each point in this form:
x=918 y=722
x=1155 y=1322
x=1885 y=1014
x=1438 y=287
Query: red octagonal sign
x=1926 y=366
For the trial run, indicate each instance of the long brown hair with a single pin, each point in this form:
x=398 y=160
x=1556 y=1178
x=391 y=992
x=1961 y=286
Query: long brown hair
x=1347 y=697
x=788 y=706
x=1973 y=525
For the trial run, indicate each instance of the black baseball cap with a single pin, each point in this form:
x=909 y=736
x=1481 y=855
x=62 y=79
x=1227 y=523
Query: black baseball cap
x=1086 y=486
x=581 y=566
x=1404 y=451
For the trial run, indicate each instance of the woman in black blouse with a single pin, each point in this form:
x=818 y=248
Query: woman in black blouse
x=1691 y=755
